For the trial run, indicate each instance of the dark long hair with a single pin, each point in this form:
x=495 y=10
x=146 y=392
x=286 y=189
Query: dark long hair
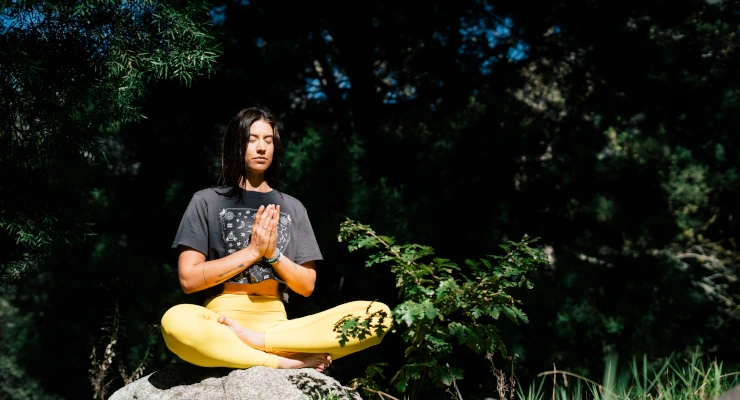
x=236 y=137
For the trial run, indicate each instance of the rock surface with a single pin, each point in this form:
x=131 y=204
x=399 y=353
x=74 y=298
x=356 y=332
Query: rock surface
x=732 y=394
x=184 y=381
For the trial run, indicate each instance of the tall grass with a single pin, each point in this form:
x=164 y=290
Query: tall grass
x=693 y=378
x=673 y=379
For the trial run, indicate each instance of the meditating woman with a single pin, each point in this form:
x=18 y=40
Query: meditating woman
x=247 y=243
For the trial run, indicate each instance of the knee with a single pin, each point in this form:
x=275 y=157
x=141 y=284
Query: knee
x=369 y=307
x=387 y=319
x=382 y=315
x=381 y=308
x=177 y=319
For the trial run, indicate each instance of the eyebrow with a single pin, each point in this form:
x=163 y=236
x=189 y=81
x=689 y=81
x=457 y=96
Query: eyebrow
x=256 y=135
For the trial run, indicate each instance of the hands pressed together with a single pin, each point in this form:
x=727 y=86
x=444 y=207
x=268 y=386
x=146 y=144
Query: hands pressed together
x=264 y=231
x=301 y=278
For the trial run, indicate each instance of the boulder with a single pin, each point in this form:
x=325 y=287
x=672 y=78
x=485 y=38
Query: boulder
x=732 y=394
x=184 y=381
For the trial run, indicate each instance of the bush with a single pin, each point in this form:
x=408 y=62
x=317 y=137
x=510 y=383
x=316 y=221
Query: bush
x=442 y=306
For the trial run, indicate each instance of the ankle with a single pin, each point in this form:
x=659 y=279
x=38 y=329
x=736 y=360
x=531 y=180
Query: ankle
x=287 y=363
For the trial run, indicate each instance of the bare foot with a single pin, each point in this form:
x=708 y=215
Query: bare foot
x=286 y=360
x=318 y=361
x=251 y=338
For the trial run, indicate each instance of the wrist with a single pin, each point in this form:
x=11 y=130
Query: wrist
x=275 y=258
x=250 y=256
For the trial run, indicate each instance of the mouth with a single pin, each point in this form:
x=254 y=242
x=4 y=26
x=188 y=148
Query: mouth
x=260 y=159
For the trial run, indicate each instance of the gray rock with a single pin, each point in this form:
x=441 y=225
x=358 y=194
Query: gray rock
x=732 y=394
x=184 y=381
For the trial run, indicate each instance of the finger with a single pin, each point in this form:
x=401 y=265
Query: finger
x=274 y=217
x=258 y=216
x=263 y=211
x=268 y=221
x=274 y=230
x=275 y=221
x=265 y=217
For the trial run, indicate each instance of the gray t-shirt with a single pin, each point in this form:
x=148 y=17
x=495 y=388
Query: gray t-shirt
x=217 y=225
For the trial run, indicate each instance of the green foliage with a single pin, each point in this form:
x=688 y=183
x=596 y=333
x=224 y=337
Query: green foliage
x=626 y=167
x=73 y=73
x=372 y=372
x=716 y=267
x=443 y=306
x=15 y=328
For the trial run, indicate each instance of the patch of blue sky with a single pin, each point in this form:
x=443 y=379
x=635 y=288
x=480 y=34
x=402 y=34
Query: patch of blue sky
x=502 y=30
x=341 y=79
x=486 y=67
x=20 y=20
x=406 y=93
x=480 y=28
x=518 y=52
x=492 y=31
x=6 y=22
x=218 y=14
x=314 y=90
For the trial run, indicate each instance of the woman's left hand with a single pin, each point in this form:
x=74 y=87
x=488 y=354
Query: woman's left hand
x=271 y=251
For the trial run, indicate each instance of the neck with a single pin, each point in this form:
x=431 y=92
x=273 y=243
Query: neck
x=256 y=183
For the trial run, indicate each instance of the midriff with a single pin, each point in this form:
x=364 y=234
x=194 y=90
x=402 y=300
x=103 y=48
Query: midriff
x=265 y=288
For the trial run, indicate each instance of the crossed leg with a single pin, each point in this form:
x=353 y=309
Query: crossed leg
x=315 y=333
x=206 y=338
x=194 y=334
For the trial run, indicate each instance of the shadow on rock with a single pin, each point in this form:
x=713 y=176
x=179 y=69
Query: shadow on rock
x=317 y=388
x=184 y=374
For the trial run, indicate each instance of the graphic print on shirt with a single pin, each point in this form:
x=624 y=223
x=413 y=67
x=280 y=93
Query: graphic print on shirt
x=236 y=228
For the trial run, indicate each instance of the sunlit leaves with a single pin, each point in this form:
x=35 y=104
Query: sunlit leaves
x=444 y=305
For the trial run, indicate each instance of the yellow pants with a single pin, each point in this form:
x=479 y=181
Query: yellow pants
x=194 y=334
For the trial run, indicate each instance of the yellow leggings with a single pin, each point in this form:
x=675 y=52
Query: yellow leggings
x=194 y=334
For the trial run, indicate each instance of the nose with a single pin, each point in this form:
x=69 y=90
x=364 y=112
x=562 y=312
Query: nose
x=261 y=146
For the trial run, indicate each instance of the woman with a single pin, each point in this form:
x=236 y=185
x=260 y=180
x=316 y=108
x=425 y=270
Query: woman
x=248 y=243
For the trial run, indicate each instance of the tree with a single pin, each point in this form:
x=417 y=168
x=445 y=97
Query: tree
x=73 y=73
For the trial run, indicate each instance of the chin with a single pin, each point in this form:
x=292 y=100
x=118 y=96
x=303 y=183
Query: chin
x=258 y=169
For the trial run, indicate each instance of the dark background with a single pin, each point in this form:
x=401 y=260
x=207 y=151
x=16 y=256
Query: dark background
x=603 y=128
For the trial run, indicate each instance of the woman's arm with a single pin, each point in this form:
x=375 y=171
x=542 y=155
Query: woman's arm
x=300 y=278
x=197 y=274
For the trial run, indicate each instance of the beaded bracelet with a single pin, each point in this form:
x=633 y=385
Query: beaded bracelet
x=274 y=259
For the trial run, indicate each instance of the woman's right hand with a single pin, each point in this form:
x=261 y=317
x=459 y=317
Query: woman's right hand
x=264 y=224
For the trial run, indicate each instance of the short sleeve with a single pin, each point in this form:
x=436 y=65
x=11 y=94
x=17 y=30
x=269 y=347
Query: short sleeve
x=193 y=230
x=308 y=248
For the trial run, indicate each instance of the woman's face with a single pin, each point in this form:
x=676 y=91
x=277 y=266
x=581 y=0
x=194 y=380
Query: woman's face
x=260 y=148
